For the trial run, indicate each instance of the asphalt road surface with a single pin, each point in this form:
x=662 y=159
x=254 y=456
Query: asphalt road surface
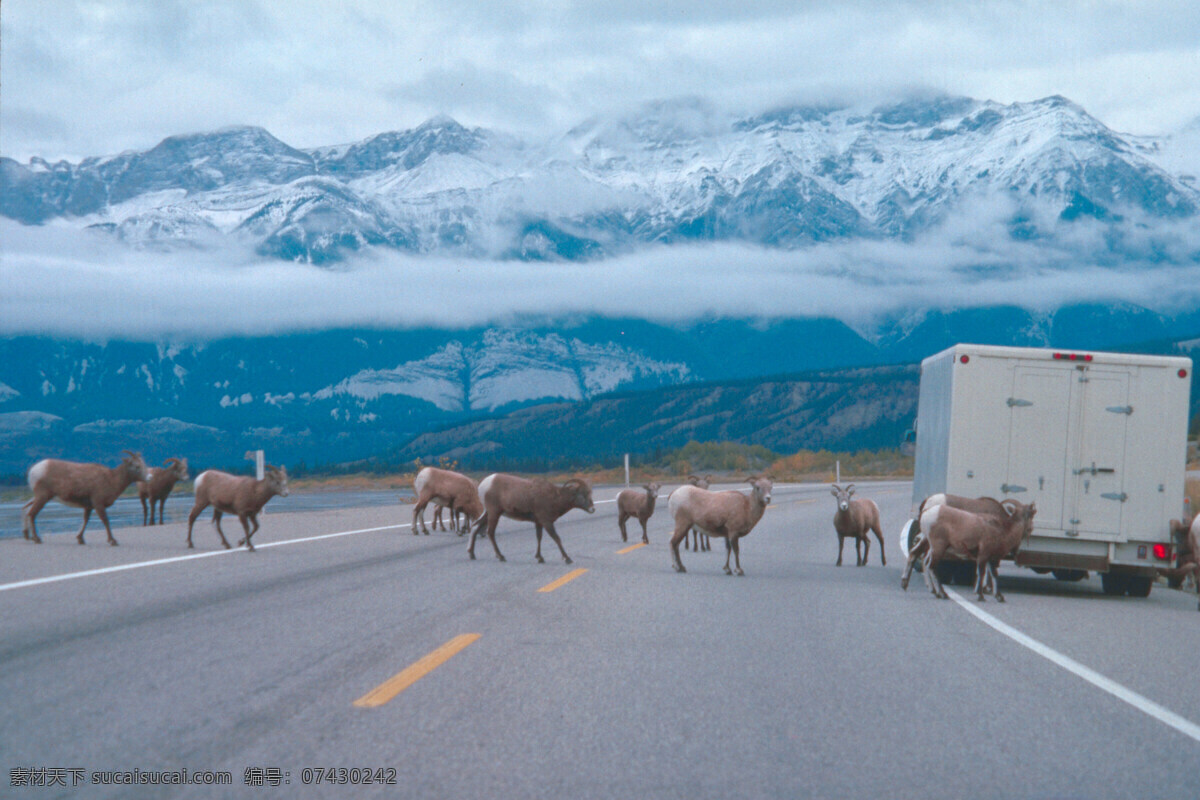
x=347 y=642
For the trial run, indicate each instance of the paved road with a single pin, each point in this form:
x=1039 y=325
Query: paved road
x=801 y=679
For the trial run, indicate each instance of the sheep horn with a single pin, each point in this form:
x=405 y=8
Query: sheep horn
x=170 y=462
x=1010 y=506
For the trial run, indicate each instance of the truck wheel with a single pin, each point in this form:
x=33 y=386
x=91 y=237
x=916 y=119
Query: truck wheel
x=965 y=573
x=1070 y=574
x=1113 y=584
x=945 y=572
x=1138 y=586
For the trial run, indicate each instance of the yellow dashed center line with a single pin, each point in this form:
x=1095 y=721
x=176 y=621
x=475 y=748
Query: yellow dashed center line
x=410 y=675
x=570 y=576
x=630 y=549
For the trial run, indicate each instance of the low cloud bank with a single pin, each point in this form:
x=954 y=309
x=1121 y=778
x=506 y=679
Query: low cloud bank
x=58 y=280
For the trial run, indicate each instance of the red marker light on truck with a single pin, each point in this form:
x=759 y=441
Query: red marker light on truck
x=1183 y=373
x=1160 y=552
x=964 y=359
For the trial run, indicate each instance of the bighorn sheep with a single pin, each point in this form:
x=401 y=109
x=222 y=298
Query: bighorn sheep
x=535 y=500
x=233 y=494
x=154 y=490
x=458 y=520
x=856 y=518
x=92 y=487
x=729 y=514
x=919 y=545
x=983 y=538
x=636 y=503
x=699 y=542
x=1186 y=537
x=446 y=488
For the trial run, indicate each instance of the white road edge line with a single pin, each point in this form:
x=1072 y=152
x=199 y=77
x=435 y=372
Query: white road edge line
x=1143 y=704
x=174 y=559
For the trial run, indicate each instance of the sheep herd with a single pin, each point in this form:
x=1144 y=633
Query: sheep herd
x=947 y=527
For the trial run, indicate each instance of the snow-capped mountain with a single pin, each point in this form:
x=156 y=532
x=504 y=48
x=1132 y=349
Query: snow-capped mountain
x=675 y=171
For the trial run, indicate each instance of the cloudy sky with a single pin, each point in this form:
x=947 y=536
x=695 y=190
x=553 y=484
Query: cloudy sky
x=93 y=77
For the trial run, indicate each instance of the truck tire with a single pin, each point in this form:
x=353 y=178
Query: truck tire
x=1138 y=586
x=965 y=573
x=1113 y=583
x=945 y=572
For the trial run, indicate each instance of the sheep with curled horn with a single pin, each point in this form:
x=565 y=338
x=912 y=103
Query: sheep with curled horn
x=535 y=500
x=92 y=487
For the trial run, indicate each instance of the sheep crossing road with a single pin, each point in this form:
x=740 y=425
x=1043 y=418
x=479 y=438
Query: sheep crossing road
x=347 y=642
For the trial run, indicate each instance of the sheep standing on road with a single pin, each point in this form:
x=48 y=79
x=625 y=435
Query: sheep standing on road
x=156 y=488
x=1186 y=536
x=983 y=538
x=636 y=503
x=92 y=487
x=233 y=494
x=445 y=488
x=730 y=515
x=699 y=541
x=919 y=545
x=856 y=518
x=534 y=500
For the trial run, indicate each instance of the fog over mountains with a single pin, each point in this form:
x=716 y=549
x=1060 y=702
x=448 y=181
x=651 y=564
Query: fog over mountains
x=226 y=290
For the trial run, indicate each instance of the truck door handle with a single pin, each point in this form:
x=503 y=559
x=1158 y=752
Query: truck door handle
x=1093 y=470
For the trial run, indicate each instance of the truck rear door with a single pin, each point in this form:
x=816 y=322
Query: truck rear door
x=1039 y=429
x=1097 y=475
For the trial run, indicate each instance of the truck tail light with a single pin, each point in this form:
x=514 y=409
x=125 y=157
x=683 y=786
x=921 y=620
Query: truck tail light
x=1073 y=356
x=1183 y=373
x=1161 y=552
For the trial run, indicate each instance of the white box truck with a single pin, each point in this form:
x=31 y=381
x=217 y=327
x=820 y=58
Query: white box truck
x=1097 y=440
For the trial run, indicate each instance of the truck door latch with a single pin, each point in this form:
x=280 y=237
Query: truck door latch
x=1015 y=402
x=1094 y=470
x=1120 y=409
x=1118 y=496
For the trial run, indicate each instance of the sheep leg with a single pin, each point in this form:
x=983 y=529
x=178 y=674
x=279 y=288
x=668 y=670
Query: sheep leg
x=995 y=584
x=245 y=520
x=538 y=555
x=841 y=542
x=645 y=536
x=87 y=514
x=195 y=512
x=879 y=536
x=705 y=542
x=437 y=518
x=680 y=535
x=554 y=535
x=253 y=521
x=621 y=524
x=29 y=514
x=162 y=510
x=737 y=557
x=934 y=558
x=491 y=523
x=917 y=550
x=147 y=512
x=419 y=514
x=981 y=571
x=728 y=553
x=217 y=523
x=866 y=543
x=103 y=515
